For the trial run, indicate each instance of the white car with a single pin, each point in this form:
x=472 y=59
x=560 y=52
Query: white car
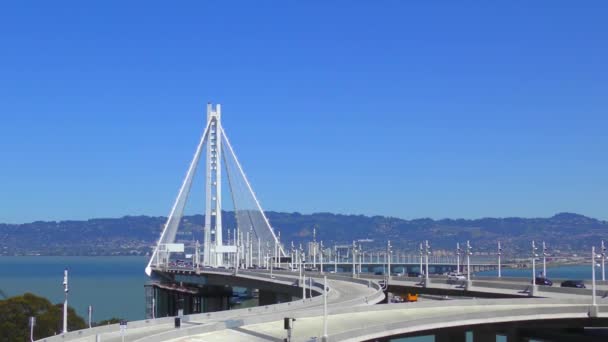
x=456 y=277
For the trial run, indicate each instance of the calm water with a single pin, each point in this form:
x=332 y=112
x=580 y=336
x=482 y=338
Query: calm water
x=113 y=285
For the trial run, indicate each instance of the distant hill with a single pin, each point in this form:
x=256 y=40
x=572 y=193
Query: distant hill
x=566 y=232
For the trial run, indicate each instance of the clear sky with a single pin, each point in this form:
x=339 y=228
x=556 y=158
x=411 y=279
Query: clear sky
x=402 y=108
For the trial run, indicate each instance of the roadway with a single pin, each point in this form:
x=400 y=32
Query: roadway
x=342 y=293
x=364 y=323
x=352 y=316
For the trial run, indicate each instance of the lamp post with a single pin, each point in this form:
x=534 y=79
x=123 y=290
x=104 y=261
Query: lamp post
x=499 y=254
x=458 y=251
x=421 y=254
x=267 y=254
x=534 y=256
x=324 y=338
x=314 y=248
x=388 y=257
x=545 y=260
x=259 y=252
x=277 y=246
x=293 y=256
x=426 y=260
x=302 y=273
x=335 y=258
x=90 y=315
x=321 y=256
x=469 y=262
x=236 y=257
x=65 y=302
x=32 y=324
x=361 y=257
x=593 y=300
x=603 y=261
x=354 y=258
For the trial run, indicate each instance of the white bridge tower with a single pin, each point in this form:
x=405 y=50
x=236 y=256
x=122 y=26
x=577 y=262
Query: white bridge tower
x=248 y=212
x=212 y=246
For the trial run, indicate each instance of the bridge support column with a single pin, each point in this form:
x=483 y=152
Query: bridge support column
x=269 y=298
x=483 y=335
x=451 y=335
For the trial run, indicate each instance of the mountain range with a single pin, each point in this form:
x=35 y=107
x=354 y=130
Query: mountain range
x=564 y=233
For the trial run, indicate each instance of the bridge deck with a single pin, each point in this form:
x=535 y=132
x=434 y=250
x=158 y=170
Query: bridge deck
x=386 y=320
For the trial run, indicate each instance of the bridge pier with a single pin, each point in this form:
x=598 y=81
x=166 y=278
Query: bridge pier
x=271 y=297
x=451 y=335
x=481 y=334
x=164 y=300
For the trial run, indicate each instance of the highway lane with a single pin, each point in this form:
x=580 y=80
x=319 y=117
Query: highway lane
x=341 y=292
x=369 y=322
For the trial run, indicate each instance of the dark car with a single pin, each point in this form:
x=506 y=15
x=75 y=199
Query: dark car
x=574 y=283
x=543 y=281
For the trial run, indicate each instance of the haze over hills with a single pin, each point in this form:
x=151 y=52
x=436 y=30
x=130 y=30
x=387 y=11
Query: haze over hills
x=564 y=233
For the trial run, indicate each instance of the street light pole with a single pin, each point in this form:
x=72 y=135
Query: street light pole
x=421 y=253
x=90 y=315
x=32 y=323
x=458 y=251
x=321 y=256
x=314 y=248
x=335 y=259
x=361 y=257
x=603 y=261
x=468 y=261
x=499 y=264
x=426 y=259
x=324 y=338
x=236 y=257
x=354 y=258
x=534 y=255
x=544 y=260
x=593 y=300
x=388 y=257
x=65 y=302
x=302 y=272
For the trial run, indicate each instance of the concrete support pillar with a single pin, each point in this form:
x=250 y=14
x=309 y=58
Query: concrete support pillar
x=450 y=335
x=269 y=298
x=216 y=303
x=484 y=335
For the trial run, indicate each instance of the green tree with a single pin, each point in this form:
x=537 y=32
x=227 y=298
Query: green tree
x=15 y=313
x=112 y=320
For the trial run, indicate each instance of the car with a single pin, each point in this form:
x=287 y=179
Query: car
x=456 y=277
x=579 y=284
x=543 y=281
x=414 y=274
x=398 y=274
x=378 y=273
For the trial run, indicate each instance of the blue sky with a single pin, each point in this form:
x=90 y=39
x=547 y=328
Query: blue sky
x=409 y=109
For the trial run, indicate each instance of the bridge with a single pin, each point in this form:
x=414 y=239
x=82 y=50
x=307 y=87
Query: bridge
x=334 y=294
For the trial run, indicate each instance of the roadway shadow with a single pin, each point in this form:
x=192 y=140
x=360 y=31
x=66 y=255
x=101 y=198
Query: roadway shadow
x=257 y=334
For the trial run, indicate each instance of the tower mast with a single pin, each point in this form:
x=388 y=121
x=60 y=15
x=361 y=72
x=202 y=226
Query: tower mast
x=213 y=254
